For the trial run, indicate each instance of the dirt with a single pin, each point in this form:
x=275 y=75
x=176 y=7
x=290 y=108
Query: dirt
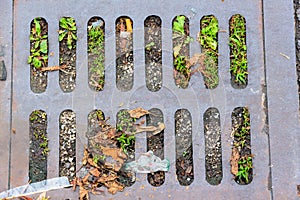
x=184 y=148
x=213 y=148
x=38 y=79
x=297 y=40
x=124 y=54
x=155 y=143
x=67 y=76
x=153 y=53
x=38 y=146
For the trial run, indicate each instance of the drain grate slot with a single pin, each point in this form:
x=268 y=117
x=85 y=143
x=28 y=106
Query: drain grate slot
x=155 y=143
x=153 y=53
x=38 y=146
x=213 y=148
x=238 y=51
x=38 y=54
x=124 y=53
x=181 y=50
x=96 y=53
x=184 y=147
x=241 y=157
x=67 y=141
x=67 y=53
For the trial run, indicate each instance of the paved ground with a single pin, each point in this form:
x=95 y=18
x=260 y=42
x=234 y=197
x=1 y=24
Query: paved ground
x=271 y=94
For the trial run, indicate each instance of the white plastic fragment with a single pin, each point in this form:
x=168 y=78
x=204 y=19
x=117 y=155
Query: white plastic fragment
x=38 y=187
x=148 y=163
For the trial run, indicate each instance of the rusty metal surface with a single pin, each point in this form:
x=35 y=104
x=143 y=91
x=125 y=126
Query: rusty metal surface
x=281 y=83
x=282 y=97
x=5 y=90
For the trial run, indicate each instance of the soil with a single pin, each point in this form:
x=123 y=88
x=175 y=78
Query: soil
x=153 y=53
x=184 y=148
x=67 y=147
x=182 y=80
x=213 y=148
x=67 y=57
x=96 y=54
x=124 y=54
x=38 y=79
x=297 y=40
x=155 y=143
x=240 y=151
x=37 y=151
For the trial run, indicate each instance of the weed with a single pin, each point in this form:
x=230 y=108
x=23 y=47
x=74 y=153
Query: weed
x=244 y=167
x=238 y=50
x=180 y=66
x=39 y=51
x=125 y=141
x=180 y=34
x=67 y=30
x=243 y=130
x=149 y=46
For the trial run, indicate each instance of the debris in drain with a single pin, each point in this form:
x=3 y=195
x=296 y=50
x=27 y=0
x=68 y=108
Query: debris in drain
x=53 y=68
x=3 y=72
x=104 y=160
x=42 y=186
x=148 y=163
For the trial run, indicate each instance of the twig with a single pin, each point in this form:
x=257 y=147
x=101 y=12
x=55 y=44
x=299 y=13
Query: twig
x=53 y=68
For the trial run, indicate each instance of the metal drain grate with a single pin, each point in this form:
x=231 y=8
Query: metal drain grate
x=274 y=123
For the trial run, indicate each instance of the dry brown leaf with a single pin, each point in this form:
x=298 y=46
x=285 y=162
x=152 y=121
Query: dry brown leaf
x=85 y=156
x=138 y=112
x=95 y=172
x=83 y=194
x=154 y=129
x=196 y=59
x=116 y=153
x=235 y=156
x=106 y=178
x=114 y=187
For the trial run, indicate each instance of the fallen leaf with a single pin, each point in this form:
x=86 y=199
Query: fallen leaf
x=95 y=172
x=83 y=193
x=85 y=156
x=176 y=50
x=154 y=129
x=114 y=187
x=138 y=112
x=235 y=156
x=116 y=153
x=25 y=198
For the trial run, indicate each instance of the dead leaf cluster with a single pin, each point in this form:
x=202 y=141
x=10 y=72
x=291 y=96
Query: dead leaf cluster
x=103 y=158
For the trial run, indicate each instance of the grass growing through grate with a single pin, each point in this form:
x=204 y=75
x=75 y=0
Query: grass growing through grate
x=238 y=51
x=96 y=55
x=208 y=38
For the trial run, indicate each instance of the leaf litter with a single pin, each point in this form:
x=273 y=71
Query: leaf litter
x=104 y=159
